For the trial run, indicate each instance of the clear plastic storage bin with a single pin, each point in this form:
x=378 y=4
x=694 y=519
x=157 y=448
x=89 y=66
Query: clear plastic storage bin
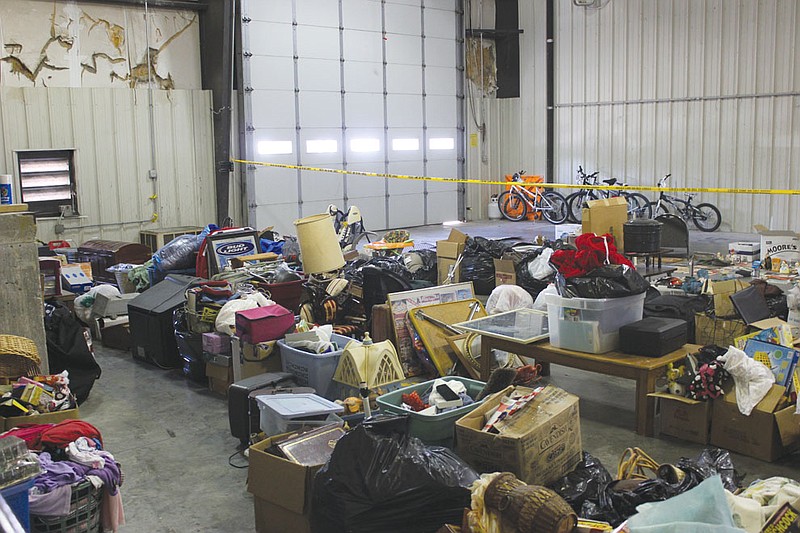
x=281 y=413
x=314 y=370
x=591 y=325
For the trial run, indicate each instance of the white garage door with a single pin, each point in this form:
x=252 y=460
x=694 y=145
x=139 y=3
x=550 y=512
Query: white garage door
x=358 y=85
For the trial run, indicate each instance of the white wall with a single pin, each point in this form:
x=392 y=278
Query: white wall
x=702 y=89
x=109 y=129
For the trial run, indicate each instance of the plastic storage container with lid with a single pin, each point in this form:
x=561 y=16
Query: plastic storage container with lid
x=314 y=370
x=285 y=412
x=588 y=324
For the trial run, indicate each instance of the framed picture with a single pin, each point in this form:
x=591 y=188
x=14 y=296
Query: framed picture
x=224 y=245
x=520 y=325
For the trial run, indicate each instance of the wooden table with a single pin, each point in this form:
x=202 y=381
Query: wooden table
x=645 y=370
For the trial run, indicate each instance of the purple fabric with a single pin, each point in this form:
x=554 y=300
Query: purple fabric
x=58 y=473
x=53 y=503
x=110 y=473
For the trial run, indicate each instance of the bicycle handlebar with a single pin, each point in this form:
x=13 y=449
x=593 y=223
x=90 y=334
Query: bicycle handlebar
x=663 y=180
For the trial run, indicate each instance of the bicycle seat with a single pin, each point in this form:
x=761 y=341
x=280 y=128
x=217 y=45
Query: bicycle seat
x=610 y=181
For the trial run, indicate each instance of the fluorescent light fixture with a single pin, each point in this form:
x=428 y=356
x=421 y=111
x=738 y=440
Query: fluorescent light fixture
x=365 y=145
x=442 y=143
x=274 y=147
x=400 y=145
x=322 y=146
x=452 y=222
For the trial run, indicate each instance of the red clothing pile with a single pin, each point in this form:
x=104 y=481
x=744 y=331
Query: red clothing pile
x=593 y=252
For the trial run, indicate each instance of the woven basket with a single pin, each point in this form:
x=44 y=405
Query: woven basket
x=18 y=357
x=531 y=508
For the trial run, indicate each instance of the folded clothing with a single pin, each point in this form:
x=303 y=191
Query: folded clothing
x=63 y=433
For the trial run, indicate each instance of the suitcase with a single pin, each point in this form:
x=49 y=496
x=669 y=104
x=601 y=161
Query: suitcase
x=263 y=324
x=243 y=412
x=653 y=336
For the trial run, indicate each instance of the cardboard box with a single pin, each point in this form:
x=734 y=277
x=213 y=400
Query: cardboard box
x=565 y=231
x=764 y=435
x=48 y=418
x=259 y=359
x=117 y=336
x=75 y=278
x=504 y=272
x=447 y=253
x=720 y=292
x=219 y=378
x=684 y=418
x=719 y=331
x=606 y=216
x=541 y=447
x=780 y=244
x=281 y=489
x=747 y=250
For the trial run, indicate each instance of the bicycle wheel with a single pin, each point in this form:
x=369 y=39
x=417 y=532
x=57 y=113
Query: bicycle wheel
x=570 y=198
x=706 y=217
x=512 y=206
x=642 y=208
x=575 y=206
x=662 y=209
x=554 y=207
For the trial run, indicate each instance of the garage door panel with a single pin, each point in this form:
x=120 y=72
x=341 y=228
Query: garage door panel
x=275 y=185
x=442 y=143
x=440 y=23
x=319 y=43
x=319 y=74
x=373 y=212
x=365 y=145
x=404 y=49
x=274 y=109
x=274 y=73
x=402 y=186
x=318 y=207
x=403 y=79
x=318 y=186
x=314 y=139
x=404 y=111
x=446 y=208
x=441 y=5
x=442 y=111
x=320 y=110
x=363 y=46
x=363 y=77
x=318 y=13
x=363 y=109
x=275 y=11
x=443 y=169
x=406 y=211
x=405 y=144
x=440 y=52
x=365 y=186
x=361 y=14
x=270 y=38
x=403 y=19
x=441 y=81
x=282 y=216
x=416 y=3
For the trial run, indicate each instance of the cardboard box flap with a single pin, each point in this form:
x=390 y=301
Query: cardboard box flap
x=769 y=404
x=457 y=236
x=548 y=403
x=788 y=426
x=763 y=230
x=668 y=396
x=616 y=200
x=277 y=480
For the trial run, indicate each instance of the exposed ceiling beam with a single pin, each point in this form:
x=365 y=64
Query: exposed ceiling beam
x=193 y=5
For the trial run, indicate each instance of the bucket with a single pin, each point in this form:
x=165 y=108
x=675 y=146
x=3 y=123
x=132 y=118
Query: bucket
x=642 y=236
x=5 y=189
x=319 y=245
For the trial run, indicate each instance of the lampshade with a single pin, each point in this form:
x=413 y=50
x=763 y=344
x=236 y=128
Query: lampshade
x=319 y=245
x=375 y=364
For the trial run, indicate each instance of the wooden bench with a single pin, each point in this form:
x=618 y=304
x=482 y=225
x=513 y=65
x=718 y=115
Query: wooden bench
x=644 y=370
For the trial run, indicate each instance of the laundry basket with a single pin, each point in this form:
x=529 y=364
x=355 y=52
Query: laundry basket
x=18 y=357
x=84 y=513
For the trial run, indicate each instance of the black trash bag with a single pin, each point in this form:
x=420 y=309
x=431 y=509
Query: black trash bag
x=428 y=271
x=608 y=281
x=479 y=269
x=583 y=484
x=67 y=350
x=380 y=479
x=619 y=499
x=710 y=462
x=496 y=249
x=525 y=280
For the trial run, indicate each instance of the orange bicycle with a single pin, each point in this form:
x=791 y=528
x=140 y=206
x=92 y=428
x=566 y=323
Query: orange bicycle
x=515 y=202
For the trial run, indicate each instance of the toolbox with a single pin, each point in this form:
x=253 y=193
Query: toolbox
x=243 y=412
x=653 y=336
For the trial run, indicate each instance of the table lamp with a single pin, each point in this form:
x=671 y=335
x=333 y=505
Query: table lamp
x=319 y=246
x=366 y=365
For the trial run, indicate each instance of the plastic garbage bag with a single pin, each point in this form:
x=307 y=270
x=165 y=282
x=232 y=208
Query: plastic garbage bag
x=226 y=318
x=540 y=267
x=178 y=254
x=704 y=509
x=422 y=265
x=541 y=300
x=524 y=278
x=507 y=298
x=608 y=281
x=583 y=484
x=753 y=380
x=380 y=479
x=320 y=344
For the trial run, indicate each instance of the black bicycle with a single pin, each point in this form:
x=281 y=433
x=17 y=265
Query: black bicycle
x=705 y=216
x=638 y=204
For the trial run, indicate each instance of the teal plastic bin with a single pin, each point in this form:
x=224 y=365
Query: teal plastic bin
x=431 y=429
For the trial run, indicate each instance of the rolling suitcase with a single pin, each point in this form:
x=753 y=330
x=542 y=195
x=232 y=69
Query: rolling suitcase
x=243 y=412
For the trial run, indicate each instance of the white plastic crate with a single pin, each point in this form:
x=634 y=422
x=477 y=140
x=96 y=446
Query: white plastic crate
x=588 y=324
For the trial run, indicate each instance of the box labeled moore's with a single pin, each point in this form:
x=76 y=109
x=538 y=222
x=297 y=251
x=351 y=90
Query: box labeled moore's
x=783 y=245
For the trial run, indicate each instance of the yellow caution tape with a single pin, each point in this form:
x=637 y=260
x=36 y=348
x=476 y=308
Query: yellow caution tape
x=724 y=190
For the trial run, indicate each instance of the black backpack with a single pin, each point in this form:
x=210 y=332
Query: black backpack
x=67 y=350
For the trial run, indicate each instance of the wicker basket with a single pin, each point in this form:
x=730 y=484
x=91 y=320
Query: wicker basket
x=83 y=517
x=531 y=508
x=18 y=357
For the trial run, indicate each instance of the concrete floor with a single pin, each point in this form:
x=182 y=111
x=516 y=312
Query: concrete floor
x=173 y=440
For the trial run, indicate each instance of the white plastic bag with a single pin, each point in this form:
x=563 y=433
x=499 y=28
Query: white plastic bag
x=507 y=298
x=753 y=379
x=540 y=267
x=320 y=344
x=226 y=319
x=540 y=304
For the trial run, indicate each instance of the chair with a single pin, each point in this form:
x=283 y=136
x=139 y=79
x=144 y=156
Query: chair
x=674 y=236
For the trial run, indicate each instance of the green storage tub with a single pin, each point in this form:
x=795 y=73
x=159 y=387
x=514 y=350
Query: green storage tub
x=437 y=429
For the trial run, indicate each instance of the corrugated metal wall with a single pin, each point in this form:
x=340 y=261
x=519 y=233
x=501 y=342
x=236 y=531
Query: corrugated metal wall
x=110 y=132
x=702 y=89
